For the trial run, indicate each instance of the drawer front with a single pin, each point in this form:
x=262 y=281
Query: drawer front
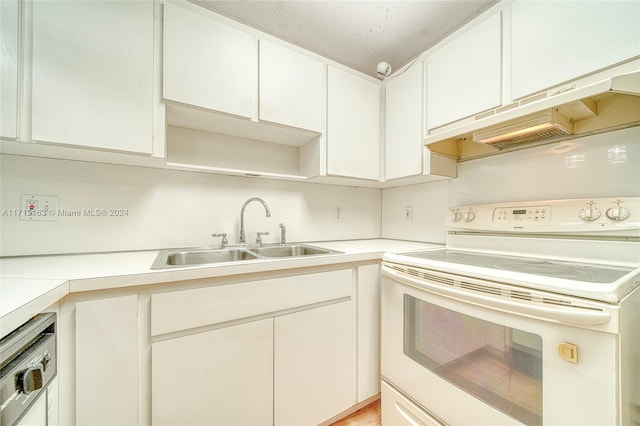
x=185 y=309
x=400 y=411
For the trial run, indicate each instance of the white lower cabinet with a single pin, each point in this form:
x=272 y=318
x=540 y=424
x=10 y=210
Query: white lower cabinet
x=106 y=342
x=368 y=331
x=219 y=377
x=226 y=351
x=271 y=351
x=313 y=364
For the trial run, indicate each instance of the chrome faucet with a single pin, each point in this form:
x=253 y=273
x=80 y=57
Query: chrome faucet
x=266 y=208
x=283 y=234
x=224 y=241
x=259 y=237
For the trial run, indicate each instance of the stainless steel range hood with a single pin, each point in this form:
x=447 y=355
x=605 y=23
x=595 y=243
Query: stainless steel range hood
x=552 y=116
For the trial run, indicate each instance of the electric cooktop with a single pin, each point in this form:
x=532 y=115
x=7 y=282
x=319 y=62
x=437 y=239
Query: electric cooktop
x=586 y=272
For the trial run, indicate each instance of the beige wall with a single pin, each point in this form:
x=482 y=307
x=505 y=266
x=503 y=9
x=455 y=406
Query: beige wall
x=180 y=209
x=171 y=208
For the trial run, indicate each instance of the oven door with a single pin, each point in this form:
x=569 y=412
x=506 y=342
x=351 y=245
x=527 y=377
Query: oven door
x=470 y=358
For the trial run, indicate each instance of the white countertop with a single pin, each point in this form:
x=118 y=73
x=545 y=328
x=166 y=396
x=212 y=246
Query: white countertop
x=22 y=298
x=30 y=284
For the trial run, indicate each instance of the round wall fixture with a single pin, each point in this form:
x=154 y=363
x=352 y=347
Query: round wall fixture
x=384 y=70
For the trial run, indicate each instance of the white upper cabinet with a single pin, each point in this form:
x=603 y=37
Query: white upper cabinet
x=553 y=42
x=207 y=63
x=464 y=76
x=93 y=74
x=404 y=118
x=353 y=125
x=9 y=68
x=292 y=88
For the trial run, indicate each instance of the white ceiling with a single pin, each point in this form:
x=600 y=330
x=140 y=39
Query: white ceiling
x=358 y=34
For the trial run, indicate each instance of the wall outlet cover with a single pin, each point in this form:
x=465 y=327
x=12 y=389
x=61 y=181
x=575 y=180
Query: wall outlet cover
x=39 y=208
x=337 y=214
x=408 y=214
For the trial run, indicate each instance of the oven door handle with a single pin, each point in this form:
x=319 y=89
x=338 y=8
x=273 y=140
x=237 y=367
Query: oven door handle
x=562 y=314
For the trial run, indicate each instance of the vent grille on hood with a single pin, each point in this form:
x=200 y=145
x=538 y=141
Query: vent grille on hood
x=576 y=109
x=545 y=124
x=547 y=134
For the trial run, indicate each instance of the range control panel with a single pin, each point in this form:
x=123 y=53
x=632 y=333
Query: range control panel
x=522 y=214
x=615 y=215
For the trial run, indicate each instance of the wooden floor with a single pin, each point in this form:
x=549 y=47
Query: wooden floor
x=366 y=416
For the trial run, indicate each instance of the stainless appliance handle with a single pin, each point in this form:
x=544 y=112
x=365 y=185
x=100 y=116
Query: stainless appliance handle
x=562 y=314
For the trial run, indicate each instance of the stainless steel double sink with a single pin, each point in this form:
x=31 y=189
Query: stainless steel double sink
x=203 y=256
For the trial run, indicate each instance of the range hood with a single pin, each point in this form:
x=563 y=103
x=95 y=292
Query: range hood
x=552 y=116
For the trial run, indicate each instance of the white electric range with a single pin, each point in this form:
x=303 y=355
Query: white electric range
x=530 y=315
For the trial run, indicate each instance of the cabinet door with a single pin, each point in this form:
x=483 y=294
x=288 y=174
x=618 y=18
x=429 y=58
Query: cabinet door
x=107 y=361
x=368 y=331
x=219 y=377
x=464 y=76
x=353 y=125
x=403 y=139
x=175 y=311
x=292 y=88
x=9 y=68
x=207 y=63
x=314 y=364
x=553 y=42
x=93 y=73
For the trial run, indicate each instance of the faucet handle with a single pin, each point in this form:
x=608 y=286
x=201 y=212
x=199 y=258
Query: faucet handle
x=224 y=241
x=283 y=234
x=259 y=237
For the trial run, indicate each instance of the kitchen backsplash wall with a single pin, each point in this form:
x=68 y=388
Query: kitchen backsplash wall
x=428 y=206
x=170 y=208
x=605 y=165
x=176 y=209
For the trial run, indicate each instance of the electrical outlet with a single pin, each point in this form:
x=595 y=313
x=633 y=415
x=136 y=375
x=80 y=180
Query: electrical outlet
x=408 y=214
x=39 y=208
x=337 y=214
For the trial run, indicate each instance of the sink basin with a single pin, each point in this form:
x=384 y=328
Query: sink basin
x=169 y=258
x=202 y=256
x=290 y=251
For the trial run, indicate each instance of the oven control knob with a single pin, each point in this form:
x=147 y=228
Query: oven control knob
x=30 y=380
x=618 y=213
x=456 y=215
x=46 y=360
x=590 y=213
x=469 y=215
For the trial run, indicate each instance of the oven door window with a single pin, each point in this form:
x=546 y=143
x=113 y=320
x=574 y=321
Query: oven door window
x=499 y=365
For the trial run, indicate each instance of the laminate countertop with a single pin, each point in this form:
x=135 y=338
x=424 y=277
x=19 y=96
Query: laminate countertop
x=29 y=284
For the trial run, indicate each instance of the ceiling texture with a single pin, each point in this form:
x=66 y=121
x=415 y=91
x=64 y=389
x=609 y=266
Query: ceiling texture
x=358 y=34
